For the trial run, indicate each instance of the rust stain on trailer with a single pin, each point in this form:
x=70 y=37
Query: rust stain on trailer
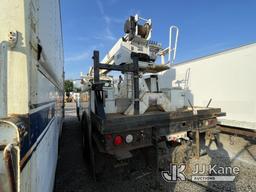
x=9 y=166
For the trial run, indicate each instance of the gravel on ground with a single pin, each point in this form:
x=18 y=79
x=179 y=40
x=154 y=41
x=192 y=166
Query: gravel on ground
x=72 y=174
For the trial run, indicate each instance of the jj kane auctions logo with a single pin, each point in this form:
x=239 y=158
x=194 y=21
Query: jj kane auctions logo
x=201 y=172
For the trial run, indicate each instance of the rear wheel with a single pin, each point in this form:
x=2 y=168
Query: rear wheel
x=88 y=149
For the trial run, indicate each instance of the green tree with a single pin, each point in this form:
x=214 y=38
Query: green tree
x=68 y=86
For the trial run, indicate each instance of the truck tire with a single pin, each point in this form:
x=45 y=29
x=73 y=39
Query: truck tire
x=87 y=141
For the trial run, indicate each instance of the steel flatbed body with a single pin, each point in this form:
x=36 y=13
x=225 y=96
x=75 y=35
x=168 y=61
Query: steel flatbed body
x=166 y=122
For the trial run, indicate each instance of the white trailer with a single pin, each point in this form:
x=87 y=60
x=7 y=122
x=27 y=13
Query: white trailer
x=31 y=93
x=227 y=78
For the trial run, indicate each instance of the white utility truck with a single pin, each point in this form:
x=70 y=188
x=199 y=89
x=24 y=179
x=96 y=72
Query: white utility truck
x=133 y=113
x=31 y=94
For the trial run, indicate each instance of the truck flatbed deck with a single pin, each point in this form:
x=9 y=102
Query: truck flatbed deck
x=184 y=120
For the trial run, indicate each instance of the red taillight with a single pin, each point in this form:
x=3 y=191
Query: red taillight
x=118 y=140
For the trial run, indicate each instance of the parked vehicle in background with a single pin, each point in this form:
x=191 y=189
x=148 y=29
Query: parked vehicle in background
x=233 y=89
